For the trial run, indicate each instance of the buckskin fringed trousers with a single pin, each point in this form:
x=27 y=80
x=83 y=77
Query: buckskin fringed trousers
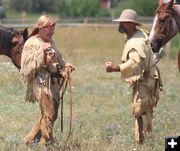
x=43 y=128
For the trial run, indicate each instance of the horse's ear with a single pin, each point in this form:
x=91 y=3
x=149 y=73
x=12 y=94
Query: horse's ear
x=25 y=34
x=161 y=2
x=170 y=4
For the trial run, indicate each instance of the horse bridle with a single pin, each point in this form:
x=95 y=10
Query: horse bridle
x=165 y=32
x=19 y=44
x=16 y=49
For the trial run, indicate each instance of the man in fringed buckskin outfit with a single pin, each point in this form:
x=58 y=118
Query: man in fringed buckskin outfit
x=139 y=69
x=42 y=67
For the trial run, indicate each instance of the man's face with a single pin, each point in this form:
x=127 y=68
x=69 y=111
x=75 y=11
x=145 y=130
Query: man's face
x=47 y=32
x=122 y=28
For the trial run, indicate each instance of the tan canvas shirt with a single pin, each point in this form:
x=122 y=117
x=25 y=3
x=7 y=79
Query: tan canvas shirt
x=137 y=58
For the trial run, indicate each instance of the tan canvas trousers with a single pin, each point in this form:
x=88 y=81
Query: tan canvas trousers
x=143 y=125
x=142 y=107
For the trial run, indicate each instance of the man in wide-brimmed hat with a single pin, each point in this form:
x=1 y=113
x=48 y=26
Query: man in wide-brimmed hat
x=139 y=70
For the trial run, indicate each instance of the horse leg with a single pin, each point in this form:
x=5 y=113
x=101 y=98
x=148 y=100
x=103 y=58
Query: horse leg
x=139 y=137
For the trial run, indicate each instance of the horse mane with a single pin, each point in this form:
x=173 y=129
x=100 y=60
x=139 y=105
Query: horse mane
x=6 y=35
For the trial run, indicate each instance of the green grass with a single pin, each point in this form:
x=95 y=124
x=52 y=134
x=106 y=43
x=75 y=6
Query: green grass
x=102 y=118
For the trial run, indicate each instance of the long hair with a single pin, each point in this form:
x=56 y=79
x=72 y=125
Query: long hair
x=43 y=21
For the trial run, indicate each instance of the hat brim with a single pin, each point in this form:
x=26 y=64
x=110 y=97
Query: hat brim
x=119 y=20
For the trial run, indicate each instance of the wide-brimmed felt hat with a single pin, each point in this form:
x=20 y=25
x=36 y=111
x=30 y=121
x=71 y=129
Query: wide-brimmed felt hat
x=128 y=15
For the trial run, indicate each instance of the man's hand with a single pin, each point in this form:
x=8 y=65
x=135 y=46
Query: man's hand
x=50 y=56
x=110 y=67
x=70 y=66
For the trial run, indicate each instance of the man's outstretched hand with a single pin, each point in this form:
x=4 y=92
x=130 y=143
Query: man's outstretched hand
x=110 y=67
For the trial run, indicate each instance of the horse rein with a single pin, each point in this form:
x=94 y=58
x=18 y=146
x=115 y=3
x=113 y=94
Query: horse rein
x=165 y=31
x=17 y=49
x=65 y=81
x=18 y=45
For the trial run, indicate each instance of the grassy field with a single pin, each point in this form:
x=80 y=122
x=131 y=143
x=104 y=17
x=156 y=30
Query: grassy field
x=102 y=118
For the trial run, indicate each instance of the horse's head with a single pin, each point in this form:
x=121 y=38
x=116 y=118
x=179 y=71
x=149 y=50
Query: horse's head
x=164 y=26
x=17 y=43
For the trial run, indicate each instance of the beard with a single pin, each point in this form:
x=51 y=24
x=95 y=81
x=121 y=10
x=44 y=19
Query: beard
x=122 y=29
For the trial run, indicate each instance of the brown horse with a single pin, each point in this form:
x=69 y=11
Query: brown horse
x=11 y=43
x=166 y=24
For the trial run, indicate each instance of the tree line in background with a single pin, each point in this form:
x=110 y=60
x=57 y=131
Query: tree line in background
x=80 y=8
